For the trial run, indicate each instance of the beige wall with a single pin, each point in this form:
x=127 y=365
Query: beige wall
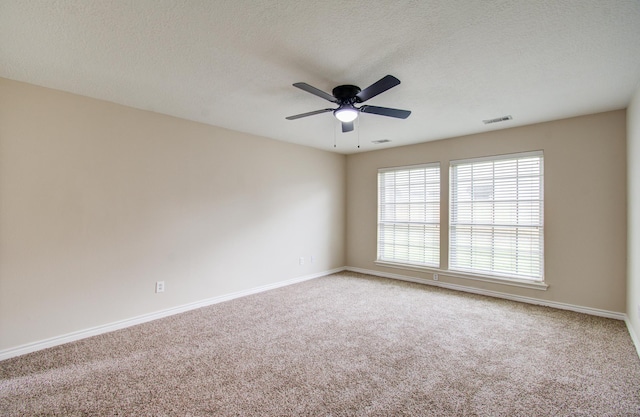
x=585 y=204
x=99 y=201
x=633 y=169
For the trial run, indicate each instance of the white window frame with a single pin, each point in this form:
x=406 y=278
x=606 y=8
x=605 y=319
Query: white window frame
x=408 y=229
x=504 y=249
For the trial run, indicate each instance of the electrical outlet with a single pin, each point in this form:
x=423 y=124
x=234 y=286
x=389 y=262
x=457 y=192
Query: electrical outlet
x=159 y=286
x=436 y=277
x=302 y=260
x=313 y=259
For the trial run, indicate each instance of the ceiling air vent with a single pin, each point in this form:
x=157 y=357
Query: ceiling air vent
x=497 y=120
x=378 y=142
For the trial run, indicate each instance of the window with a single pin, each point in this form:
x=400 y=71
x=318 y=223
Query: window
x=409 y=215
x=496 y=216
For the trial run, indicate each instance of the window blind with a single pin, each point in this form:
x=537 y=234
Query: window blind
x=496 y=216
x=409 y=215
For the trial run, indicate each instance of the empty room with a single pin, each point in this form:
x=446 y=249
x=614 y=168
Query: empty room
x=296 y=208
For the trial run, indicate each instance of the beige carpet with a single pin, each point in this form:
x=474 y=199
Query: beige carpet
x=342 y=345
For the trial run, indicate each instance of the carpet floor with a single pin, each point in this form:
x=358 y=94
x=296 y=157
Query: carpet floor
x=342 y=345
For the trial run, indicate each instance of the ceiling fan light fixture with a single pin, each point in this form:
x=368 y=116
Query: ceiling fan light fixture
x=346 y=113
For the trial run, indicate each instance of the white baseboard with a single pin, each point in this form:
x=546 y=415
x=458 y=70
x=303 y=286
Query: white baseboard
x=109 y=327
x=528 y=300
x=632 y=333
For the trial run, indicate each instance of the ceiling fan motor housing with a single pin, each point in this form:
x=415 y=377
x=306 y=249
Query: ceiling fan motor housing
x=346 y=93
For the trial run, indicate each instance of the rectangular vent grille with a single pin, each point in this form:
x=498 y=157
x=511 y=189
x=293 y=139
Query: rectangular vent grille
x=377 y=142
x=497 y=120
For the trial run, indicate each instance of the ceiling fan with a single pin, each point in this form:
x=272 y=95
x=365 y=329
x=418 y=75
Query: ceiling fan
x=347 y=96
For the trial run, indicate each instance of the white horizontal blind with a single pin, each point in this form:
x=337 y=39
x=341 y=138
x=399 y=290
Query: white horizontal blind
x=496 y=216
x=409 y=215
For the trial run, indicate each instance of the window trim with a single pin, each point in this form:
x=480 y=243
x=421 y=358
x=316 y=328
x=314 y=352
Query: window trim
x=499 y=157
x=493 y=279
x=445 y=228
x=497 y=275
x=436 y=165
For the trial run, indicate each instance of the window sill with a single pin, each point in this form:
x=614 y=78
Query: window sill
x=515 y=282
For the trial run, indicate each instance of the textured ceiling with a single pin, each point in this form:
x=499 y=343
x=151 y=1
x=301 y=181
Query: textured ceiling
x=232 y=63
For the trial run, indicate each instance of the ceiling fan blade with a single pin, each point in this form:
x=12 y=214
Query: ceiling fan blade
x=347 y=127
x=315 y=91
x=311 y=113
x=386 y=111
x=380 y=86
